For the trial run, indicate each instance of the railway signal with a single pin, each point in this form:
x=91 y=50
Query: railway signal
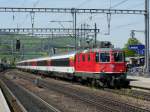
x=18 y=45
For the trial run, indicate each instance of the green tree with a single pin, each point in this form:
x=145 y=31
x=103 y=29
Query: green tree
x=131 y=41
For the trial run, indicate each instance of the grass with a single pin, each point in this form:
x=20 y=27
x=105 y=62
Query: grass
x=31 y=47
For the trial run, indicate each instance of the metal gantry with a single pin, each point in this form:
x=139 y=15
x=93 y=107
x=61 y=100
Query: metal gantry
x=71 y=10
x=43 y=30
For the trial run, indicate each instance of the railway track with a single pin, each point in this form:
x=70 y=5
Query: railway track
x=100 y=106
x=115 y=106
x=131 y=93
x=13 y=102
x=30 y=101
x=104 y=103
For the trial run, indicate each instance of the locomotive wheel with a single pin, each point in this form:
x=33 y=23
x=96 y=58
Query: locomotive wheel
x=93 y=82
x=100 y=84
x=97 y=83
x=117 y=85
x=125 y=84
x=114 y=83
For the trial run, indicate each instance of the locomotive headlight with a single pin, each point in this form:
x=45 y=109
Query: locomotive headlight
x=112 y=66
x=103 y=70
x=121 y=70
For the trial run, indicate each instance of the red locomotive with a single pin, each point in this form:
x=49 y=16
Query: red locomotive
x=104 y=66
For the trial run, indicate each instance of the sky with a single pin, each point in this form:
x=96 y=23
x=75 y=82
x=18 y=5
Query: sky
x=120 y=27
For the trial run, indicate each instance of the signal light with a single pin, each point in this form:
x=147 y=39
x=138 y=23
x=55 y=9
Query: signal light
x=18 y=45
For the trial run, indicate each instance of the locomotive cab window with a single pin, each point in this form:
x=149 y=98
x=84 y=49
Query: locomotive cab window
x=118 y=57
x=78 y=58
x=89 y=58
x=97 y=57
x=83 y=57
x=104 y=57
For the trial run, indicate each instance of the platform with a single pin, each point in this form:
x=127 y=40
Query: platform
x=139 y=81
x=3 y=105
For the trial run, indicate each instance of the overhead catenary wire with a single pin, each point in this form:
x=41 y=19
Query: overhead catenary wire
x=109 y=15
x=23 y=2
x=136 y=5
x=34 y=5
x=126 y=25
x=83 y=3
x=118 y=4
x=110 y=2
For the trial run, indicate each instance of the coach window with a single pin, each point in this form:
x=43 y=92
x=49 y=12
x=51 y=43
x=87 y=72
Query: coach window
x=60 y=62
x=30 y=63
x=104 y=57
x=48 y=62
x=83 y=57
x=42 y=63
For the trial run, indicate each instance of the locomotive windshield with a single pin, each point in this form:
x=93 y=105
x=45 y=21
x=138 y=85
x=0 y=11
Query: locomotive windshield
x=118 y=56
x=103 y=57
